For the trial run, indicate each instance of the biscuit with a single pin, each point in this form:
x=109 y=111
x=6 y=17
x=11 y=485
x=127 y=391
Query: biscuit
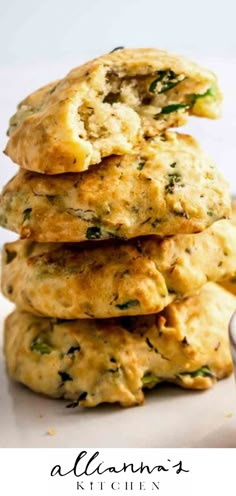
x=166 y=187
x=110 y=279
x=106 y=106
x=97 y=361
x=230 y=284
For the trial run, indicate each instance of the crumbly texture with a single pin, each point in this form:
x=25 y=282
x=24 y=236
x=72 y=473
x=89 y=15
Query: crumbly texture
x=112 y=361
x=110 y=279
x=106 y=106
x=168 y=186
x=230 y=284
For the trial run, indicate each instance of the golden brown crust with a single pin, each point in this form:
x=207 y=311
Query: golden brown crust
x=166 y=187
x=115 y=278
x=93 y=362
x=106 y=106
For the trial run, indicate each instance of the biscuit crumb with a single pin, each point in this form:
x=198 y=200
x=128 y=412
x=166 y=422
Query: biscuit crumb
x=228 y=415
x=51 y=431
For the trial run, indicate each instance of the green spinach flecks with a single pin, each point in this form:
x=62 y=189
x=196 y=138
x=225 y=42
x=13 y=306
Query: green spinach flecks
x=150 y=379
x=73 y=349
x=65 y=376
x=128 y=304
x=174 y=107
x=140 y=166
x=209 y=92
x=167 y=79
x=188 y=250
x=151 y=346
x=74 y=404
x=27 y=214
x=41 y=347
x=202 y=372
x=173 y=179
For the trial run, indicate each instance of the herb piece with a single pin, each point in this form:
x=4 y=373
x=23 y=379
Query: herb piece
x=181 y=214
x=173 y=165
x=41 y=346
x=168 y=79
x=128 y=304
x=26 y=214
x=150 y=379
x=65 y=376
x=173 y=179
x=202 y=372
x=209 y=92
x=156 y=222
x=145 y=221
x=188 y=250
x=151 y=346
x=217 y=346
x=117 y=48
x=53 y=89
x=11 y=128
x=140 y=166
x=172 y=108
x=113 y=360
x=73 y=349
x=74 y=404
x=10 y=255
x=93 y=232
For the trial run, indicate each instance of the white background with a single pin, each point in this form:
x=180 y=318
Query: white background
x=42 y=40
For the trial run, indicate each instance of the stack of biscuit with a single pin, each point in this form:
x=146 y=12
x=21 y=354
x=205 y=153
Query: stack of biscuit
x=125 y=229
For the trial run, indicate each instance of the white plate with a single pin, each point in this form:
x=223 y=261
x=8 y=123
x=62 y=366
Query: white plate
x=171 y=417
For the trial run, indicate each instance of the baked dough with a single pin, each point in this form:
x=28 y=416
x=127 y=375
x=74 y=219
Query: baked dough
x=230 y=284
x=106 y=106
x=166 y=187
x=97 y=361
x=109 y=279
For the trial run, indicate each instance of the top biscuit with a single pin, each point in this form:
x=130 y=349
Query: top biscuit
x=106 y=107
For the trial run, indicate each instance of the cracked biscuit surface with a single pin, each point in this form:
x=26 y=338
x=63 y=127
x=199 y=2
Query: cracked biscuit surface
x=115 y=278
x=168 y=186
x=97 y=361
x=106 y=106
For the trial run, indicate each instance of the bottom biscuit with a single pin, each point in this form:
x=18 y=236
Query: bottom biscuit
x=113 y=360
